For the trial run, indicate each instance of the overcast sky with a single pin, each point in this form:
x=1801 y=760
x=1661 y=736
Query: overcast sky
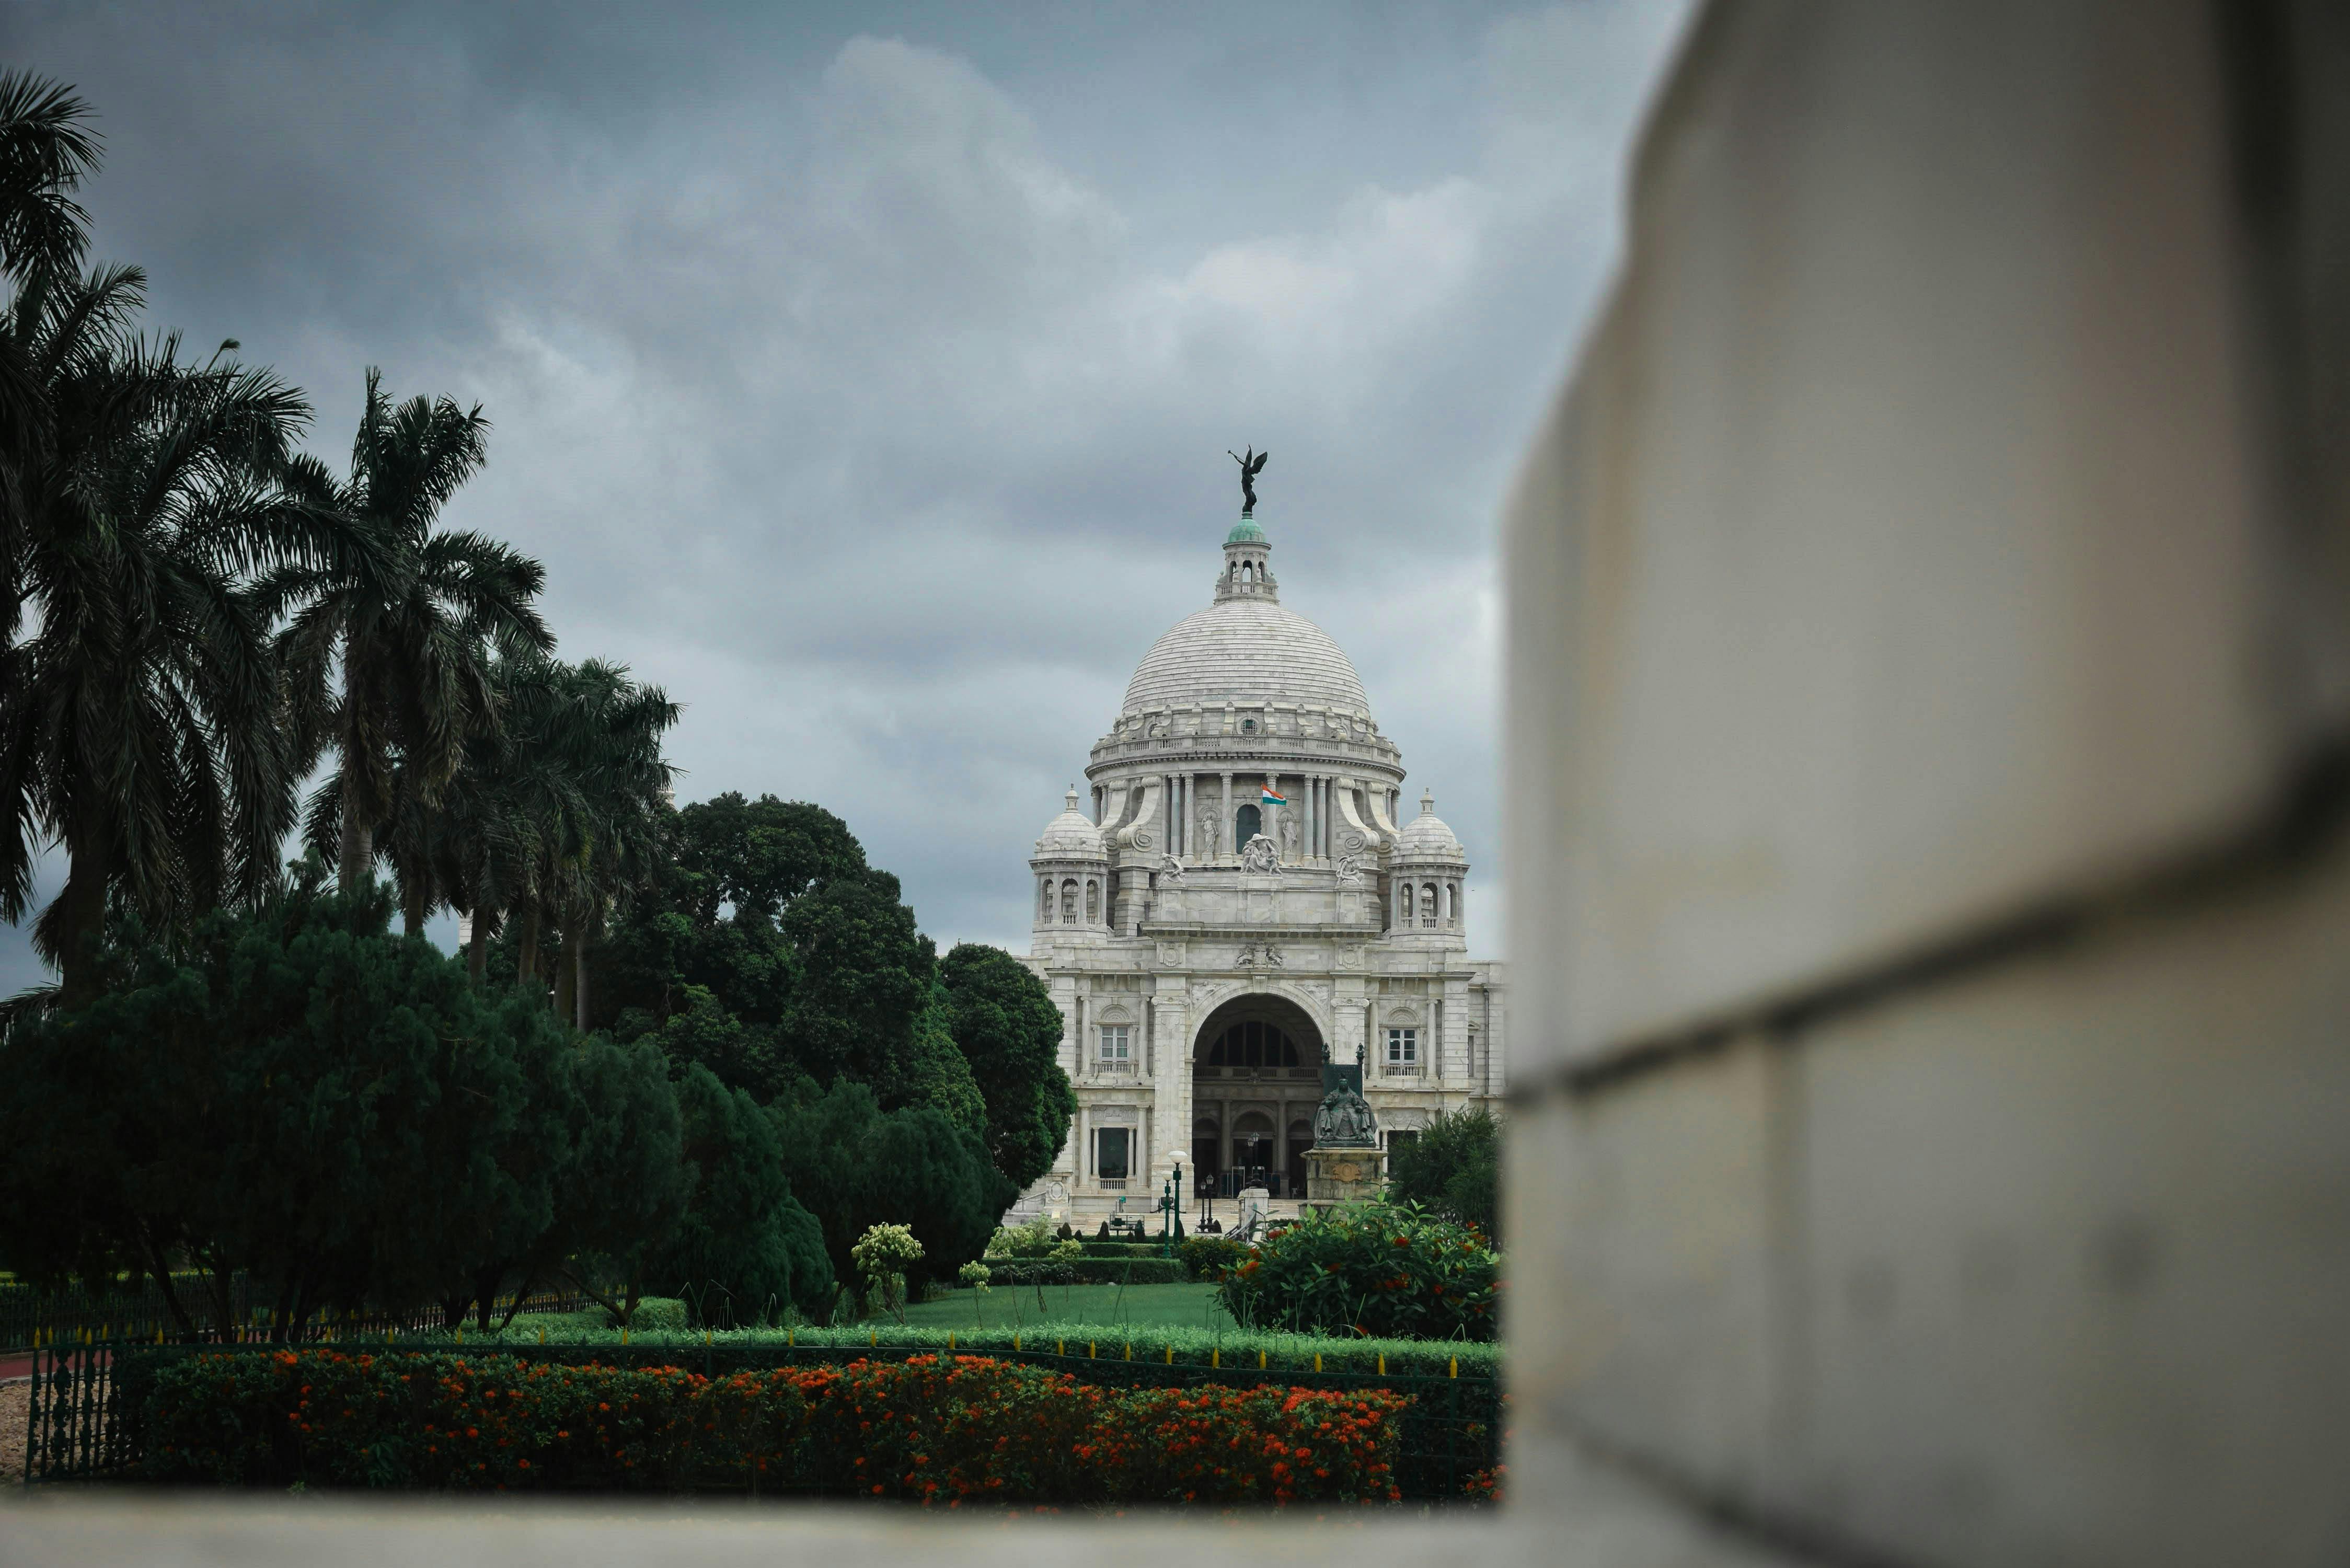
x=863 y=374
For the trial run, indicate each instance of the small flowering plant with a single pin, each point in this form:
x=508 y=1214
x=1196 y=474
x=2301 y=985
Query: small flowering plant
x=882 y=1255
x=1374 y=1269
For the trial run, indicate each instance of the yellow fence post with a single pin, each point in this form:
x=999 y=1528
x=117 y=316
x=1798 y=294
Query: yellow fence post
x=1317 y=1361
x=1455 y=1368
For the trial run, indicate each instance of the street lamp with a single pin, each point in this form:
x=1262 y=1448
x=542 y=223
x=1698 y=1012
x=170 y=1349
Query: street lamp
x=1170 y=1209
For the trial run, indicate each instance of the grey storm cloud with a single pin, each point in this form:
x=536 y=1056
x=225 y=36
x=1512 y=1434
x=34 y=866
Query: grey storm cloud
x=864 y=375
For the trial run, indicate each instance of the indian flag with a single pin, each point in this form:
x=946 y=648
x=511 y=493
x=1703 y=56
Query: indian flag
x=1273 y=799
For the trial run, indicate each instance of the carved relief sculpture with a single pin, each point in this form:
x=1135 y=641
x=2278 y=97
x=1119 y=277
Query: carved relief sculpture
x=1260 y=854
x=1170 y=871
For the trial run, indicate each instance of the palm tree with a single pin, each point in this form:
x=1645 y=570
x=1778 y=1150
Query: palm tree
x=555 y=818
x=390 y=668
x=45 y=152
x=610 y=846
x=139 y=720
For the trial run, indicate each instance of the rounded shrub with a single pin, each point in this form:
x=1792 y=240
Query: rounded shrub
x=1384 y=1270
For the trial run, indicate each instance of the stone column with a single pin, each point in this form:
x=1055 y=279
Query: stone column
x=1224 y=828
x=1171 y=1090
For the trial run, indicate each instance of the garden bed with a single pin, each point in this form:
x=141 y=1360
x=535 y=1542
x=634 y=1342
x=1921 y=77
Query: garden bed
x=929 y=1428
x=109 y=1412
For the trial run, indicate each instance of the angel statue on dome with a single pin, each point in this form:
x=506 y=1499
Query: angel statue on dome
x=1251 y=466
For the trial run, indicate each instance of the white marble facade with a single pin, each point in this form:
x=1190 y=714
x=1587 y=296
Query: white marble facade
x=1208 y=944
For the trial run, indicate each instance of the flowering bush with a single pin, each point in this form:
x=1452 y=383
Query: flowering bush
x=882 y=1255
x=930 y=1428
x=1394 y=1271
x=333 y=1418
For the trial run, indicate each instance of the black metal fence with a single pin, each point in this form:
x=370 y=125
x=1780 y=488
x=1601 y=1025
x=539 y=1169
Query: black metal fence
x=32 y=1318
x=87 y=1399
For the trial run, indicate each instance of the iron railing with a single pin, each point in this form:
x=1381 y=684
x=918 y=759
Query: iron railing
x=31 y=1318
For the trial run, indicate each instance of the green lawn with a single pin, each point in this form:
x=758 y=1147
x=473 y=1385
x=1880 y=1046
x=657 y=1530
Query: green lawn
x=1191 y=1306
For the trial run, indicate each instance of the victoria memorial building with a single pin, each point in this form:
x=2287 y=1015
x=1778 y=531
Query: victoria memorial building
x=1245 y=894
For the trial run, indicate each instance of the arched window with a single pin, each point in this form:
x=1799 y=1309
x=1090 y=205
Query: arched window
x=1069 y=902
x=1247 y=823
x=1093 y=901
x=1427 y=905
x=1252 y=1044
x=1045 y=901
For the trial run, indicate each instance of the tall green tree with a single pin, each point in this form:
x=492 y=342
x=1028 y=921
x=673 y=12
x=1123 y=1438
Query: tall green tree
x=744 y=1248
x=767 y=948
x=629 y=1183
x=292 y=1093
x=389 y=666
x=138 y=721
x=853 y=1164
x=1454 y=1168
x=1004 y=1020
x=558 y=815
x=46 y=151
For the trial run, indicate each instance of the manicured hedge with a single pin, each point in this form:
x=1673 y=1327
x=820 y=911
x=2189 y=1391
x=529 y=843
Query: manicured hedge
x=1197 y=1347
x=930 y=1428
x=1151 y=1271
x=1208 y=1257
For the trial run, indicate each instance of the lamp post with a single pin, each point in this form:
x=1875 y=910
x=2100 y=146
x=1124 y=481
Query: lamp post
x=1170 y=1211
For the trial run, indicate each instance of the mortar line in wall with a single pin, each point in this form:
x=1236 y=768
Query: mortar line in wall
x=1755 y=1523
x=2304 y=820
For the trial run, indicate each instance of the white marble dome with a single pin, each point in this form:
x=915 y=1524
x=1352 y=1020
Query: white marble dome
x=1070 y=836
x=1426 y=837
x=1248 y=651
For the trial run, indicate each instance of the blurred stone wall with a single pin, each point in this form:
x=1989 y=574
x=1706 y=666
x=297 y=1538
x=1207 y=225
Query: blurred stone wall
x=1928 y=719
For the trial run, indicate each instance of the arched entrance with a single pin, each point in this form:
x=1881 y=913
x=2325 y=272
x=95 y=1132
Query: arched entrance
x=1256 y=1076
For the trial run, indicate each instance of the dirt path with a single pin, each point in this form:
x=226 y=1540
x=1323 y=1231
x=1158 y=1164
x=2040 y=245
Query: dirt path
x=15 y=1417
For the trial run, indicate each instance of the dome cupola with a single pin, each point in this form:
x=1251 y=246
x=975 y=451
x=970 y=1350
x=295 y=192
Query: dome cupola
x=1426 y=840
x=1072 y=867
x=1427 y=868
x=1070 y=836
x=1248 y=566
